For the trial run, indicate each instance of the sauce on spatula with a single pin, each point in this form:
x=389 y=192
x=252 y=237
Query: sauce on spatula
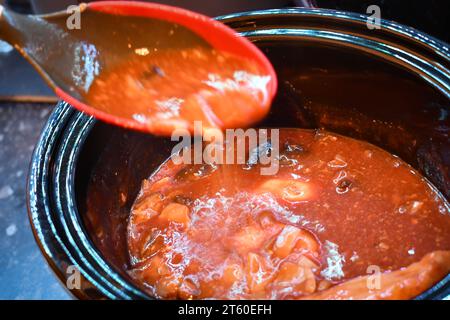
x=170 y=89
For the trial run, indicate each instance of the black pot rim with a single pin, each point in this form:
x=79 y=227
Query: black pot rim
x=56 y=224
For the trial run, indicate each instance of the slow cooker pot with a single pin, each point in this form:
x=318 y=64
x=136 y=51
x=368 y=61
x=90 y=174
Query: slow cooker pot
x=390 y=87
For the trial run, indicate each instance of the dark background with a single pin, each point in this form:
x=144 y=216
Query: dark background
x=26 y=102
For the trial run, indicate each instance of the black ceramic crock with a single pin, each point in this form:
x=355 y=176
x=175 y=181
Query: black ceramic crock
x=390 y=87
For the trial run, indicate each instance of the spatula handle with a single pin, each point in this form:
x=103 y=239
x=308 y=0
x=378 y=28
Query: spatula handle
x=6 y=32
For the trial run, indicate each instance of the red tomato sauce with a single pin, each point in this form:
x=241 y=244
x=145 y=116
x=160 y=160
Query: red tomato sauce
x=170 y=89
x=336 y=207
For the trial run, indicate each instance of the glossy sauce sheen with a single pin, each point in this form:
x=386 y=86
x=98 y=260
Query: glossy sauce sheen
x=170 y=89
x=336 y=207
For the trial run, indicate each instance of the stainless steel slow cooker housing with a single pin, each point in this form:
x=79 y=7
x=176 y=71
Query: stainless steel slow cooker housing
x=390 y=87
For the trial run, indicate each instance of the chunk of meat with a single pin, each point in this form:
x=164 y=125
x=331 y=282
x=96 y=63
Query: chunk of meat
x=294 y=279
x=270 y=225
x=160 y=184
x=405 y=283
x=154 y=269
x=293 y=238
x=175 y=212
x=232 y=273
x=154 y=243
x=249 y=238
x=288 y=190
x=285 y=242
x=189 y=288
x=147 y=207
x=258 y=274
x=307 y=243
x=307 y=263
x=167 y=287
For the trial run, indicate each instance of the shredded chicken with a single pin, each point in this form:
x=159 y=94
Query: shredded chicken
x=405 y=283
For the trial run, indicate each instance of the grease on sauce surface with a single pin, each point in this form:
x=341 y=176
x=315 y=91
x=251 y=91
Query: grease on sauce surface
x=336 y=207
x=170 y=89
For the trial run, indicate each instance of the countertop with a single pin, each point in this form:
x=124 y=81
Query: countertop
x=24 y=273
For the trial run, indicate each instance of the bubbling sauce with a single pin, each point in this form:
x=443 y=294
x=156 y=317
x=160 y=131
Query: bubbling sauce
x=170 y=89
x=336 y=208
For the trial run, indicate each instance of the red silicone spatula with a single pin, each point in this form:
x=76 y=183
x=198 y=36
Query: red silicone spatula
x=71 y=52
